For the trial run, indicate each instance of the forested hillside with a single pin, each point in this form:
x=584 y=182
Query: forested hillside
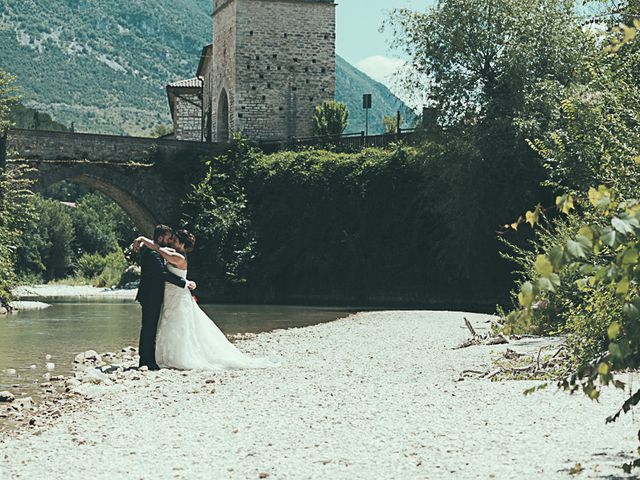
x=104 y=65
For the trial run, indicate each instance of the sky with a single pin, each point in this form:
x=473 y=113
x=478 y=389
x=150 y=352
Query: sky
x=360 y=41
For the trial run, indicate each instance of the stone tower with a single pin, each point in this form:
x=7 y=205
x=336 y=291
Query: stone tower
x=270 y=64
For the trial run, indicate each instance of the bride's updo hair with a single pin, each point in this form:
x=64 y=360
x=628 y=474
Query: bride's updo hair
x=186 y=238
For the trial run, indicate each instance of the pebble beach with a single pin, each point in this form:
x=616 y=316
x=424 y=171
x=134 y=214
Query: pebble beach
x=373 y=396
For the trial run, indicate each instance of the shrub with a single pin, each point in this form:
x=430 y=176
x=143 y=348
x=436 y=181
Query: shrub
x=102 y=271
x=115 y=266
x=588 y=322
x=90 y=265
x=330 y=118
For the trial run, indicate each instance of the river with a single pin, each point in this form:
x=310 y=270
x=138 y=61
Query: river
x=73 y=326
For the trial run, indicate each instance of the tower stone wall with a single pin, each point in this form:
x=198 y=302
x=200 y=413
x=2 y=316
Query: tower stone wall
x=272 y=62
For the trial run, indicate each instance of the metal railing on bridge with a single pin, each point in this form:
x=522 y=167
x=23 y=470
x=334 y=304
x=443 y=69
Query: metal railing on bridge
x=348 y=141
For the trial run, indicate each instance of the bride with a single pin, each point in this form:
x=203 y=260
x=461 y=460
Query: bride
x=187 y=338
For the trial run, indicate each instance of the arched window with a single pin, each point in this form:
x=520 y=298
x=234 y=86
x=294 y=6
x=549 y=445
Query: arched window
x=223 y=117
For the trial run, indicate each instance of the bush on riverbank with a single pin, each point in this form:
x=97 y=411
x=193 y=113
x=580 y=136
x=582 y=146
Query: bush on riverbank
x=101 y=271
x=593 y=155
x=405 y=224
x=594 y=141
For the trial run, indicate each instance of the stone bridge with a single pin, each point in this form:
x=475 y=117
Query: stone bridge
x=120 y=167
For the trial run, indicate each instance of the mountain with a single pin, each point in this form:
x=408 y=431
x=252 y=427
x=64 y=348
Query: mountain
x=103 y=65
x=351 y=84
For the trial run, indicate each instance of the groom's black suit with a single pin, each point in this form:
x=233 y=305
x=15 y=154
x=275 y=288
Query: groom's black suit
x=154 y=273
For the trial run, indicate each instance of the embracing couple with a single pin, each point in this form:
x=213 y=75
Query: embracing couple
x=176 y=333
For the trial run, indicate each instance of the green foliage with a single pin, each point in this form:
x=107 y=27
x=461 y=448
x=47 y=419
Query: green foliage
x=7 y=98
x=90 y=265
x=548 y=317
x=56 y=241
x=606 y=255
x=595 y=140
x=476 y=59
x=100 y=226
x=101 y=271
x=14 y=216
x=111 y=275
x=390 y=124
x=14 y=191
x=216 y=211
x=489 y=93
x=588 y=323
x=348 y=226
x=330 y=118
x=45 y=245
x=29 y=118
x=161 y=130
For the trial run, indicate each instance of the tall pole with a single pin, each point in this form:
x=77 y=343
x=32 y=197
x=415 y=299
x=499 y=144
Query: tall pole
x=366 y=104
x=366 y=128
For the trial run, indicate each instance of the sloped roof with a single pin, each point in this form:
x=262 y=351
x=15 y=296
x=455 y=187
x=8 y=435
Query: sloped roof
x=195 y=82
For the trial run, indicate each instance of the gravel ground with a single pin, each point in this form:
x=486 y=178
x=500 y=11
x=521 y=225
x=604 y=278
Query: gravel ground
x=373 y=396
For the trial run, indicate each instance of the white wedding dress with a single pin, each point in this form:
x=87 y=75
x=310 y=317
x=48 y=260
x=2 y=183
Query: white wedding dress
x=187 y=338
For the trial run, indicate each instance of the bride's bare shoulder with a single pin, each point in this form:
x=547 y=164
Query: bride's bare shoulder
x=174 y=258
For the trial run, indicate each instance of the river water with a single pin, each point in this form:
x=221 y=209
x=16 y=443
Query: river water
x=66 y=329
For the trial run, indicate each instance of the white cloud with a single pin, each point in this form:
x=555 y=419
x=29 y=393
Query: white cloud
x=381 y=68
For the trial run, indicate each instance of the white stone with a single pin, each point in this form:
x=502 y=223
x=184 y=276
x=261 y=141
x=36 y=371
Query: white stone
x=90 y=356
x=96 y=377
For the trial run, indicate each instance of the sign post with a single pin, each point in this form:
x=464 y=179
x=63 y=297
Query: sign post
x=366 y=104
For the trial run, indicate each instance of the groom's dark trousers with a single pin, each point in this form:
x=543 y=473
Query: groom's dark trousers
x=154 y=274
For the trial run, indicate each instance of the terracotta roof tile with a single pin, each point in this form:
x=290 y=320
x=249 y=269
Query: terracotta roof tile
x=190 y=83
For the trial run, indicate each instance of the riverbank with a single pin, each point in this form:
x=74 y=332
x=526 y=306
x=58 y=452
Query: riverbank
x=26 y=306
x=54 y=291
x=376 y=395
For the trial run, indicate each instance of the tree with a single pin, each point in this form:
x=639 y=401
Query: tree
x=44 y=248
x=390 y=124
x=14 y=189
x=216 y=210
x=330 y=118
x=479 y=58
x=584 y=276
x=161 y=130
x=100 y=225
x=493 y=72
x=7 y=99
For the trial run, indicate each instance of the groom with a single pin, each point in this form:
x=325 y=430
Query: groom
x=154 y=274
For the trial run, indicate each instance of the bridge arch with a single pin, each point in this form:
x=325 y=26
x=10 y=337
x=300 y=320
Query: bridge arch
x=122 y=168
x=141 y=194
x=141 y=217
